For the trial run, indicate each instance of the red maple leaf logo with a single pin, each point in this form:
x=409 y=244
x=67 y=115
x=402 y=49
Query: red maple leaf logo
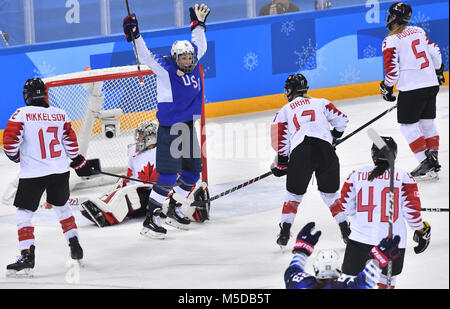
x=148 y=173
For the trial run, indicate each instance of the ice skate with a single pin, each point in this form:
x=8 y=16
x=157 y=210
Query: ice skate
x=175 y=216
x=76 y=252
x=428 y=168
x=152 y=226
x=90 y=211
x=285 y=234
x=23 y=268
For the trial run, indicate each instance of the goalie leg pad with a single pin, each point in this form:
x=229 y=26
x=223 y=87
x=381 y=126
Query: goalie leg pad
x=119 y=202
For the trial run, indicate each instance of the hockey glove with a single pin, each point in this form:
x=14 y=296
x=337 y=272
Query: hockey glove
x=345 y=230
x=336 y=136
x=81 y=166
x=305 y=240
x=387 y=92
x=386 y=250
x=440 y=75
x=279 y=166
x=130 y=27
x=422 y=237
x=198 y=15
x=15 y=158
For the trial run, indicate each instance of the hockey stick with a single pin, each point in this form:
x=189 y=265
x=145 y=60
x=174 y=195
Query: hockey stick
x=135 y=49
x=435 y=209
x=365 y=125
x=379 y=142
x=133 y=179
x=242 y=185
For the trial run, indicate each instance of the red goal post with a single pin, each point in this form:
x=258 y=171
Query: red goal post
x=106 y=106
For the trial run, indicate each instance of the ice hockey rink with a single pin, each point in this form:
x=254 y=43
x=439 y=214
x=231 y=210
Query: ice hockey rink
x=236 y=249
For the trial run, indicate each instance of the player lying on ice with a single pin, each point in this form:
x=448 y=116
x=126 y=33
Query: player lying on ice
x=327 y=264
x=130 y=197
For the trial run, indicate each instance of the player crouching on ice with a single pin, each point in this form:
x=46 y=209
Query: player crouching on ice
x=130 y=198
x=40 y=137
x=327 y=263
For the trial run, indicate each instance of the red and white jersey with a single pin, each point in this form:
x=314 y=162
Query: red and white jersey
x=411 y=59
x=142 y=165
x=368 y=204
x=305 y=117
x=45 y=139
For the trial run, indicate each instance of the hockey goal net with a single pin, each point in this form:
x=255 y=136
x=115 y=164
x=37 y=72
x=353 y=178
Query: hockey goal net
x=105 y=107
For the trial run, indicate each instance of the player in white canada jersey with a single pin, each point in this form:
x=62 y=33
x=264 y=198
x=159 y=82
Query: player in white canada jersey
x=415 y=63
x=41 y=138
x=302 y=139
x=365 y=198
x=130 y=197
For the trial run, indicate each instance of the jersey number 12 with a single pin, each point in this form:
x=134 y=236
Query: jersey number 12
x=53 y=154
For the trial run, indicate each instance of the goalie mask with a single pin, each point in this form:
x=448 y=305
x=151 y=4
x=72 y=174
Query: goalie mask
x=35 y=92
x=183 y=54
x=399 y=13
x=295 y=85
x=378 y=156
x=145 y=134
x=326 y=264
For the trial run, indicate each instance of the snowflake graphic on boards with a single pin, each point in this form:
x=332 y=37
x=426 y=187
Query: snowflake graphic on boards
x=287 y=27
x=307 y=56
x=250 y=61
x=44 y=70
x=422 y=21
x=369 y=52
x=350 y=75
x=444 y=52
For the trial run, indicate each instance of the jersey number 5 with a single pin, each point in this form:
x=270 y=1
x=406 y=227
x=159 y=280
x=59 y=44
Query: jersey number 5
x=369 y=208
x=418 y=55
x=52 y=144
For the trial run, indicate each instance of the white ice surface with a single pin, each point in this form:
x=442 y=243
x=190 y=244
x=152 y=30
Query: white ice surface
x=236 y=248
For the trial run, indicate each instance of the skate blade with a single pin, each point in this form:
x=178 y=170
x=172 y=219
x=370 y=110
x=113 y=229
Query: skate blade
x=430 y=176
x=176 y=224
x=24 y=273
x=152 y=234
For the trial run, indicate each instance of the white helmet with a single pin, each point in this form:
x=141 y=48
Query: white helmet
x=180 y=48
x=326 y=264
x=145 y=134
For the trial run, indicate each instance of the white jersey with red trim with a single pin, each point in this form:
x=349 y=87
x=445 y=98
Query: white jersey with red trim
x=305 y=117
x=142 y=165
x=44 y=138
x=411 y=59
x=368 y=204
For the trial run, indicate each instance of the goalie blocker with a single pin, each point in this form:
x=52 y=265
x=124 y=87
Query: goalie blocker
x=132 y=200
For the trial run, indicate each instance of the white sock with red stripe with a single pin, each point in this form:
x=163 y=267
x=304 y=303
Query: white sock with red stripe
x=290 y=206
x=430 y=133
x=24 y=228
x=67 y=221
x=415 y=139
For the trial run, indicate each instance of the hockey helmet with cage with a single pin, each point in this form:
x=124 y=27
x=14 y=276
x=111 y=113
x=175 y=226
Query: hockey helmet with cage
x=326 y=264
x=35 y=92
x=295 y=84
x=399 y=13
x=183 y=47
x=379 y=156
x=145 y=134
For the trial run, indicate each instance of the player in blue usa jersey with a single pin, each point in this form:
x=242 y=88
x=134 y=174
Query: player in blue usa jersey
x=327 y=264
x=179 y=94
